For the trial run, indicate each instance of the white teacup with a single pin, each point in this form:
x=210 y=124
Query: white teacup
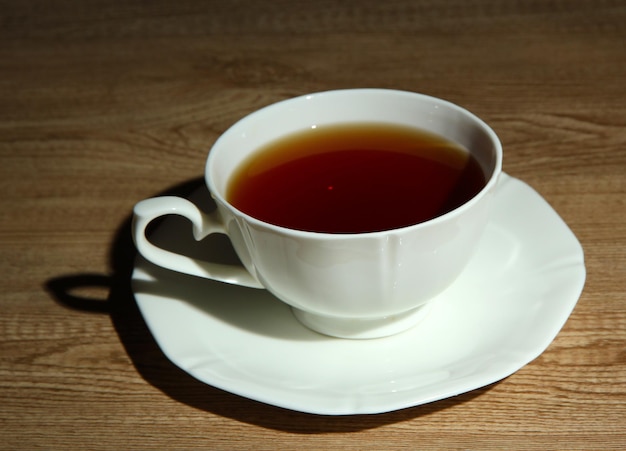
x=361 y=285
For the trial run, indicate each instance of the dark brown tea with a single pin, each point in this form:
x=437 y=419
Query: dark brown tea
x=355 y=178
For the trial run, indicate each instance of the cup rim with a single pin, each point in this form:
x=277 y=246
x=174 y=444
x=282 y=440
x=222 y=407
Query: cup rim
x=489 y=185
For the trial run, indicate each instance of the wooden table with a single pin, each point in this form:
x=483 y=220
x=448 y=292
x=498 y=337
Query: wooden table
x=104 y=103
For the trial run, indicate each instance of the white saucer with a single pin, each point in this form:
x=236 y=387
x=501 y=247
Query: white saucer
x=503 y=312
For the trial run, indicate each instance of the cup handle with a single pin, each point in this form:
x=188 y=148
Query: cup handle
x=203 y=225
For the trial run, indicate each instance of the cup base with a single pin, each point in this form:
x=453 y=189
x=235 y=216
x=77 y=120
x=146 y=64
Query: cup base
x=362 y=328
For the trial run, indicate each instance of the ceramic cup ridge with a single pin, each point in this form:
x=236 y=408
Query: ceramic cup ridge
x=361 y=285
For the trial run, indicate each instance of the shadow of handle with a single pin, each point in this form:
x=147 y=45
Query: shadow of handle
x=72 y=290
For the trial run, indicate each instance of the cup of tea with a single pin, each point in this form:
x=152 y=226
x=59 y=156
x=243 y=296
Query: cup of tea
x=355 y=207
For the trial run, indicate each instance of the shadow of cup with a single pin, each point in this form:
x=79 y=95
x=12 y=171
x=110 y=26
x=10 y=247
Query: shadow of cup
x=112 y=294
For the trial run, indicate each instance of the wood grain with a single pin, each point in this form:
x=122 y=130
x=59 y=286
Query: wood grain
x=104 y=103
